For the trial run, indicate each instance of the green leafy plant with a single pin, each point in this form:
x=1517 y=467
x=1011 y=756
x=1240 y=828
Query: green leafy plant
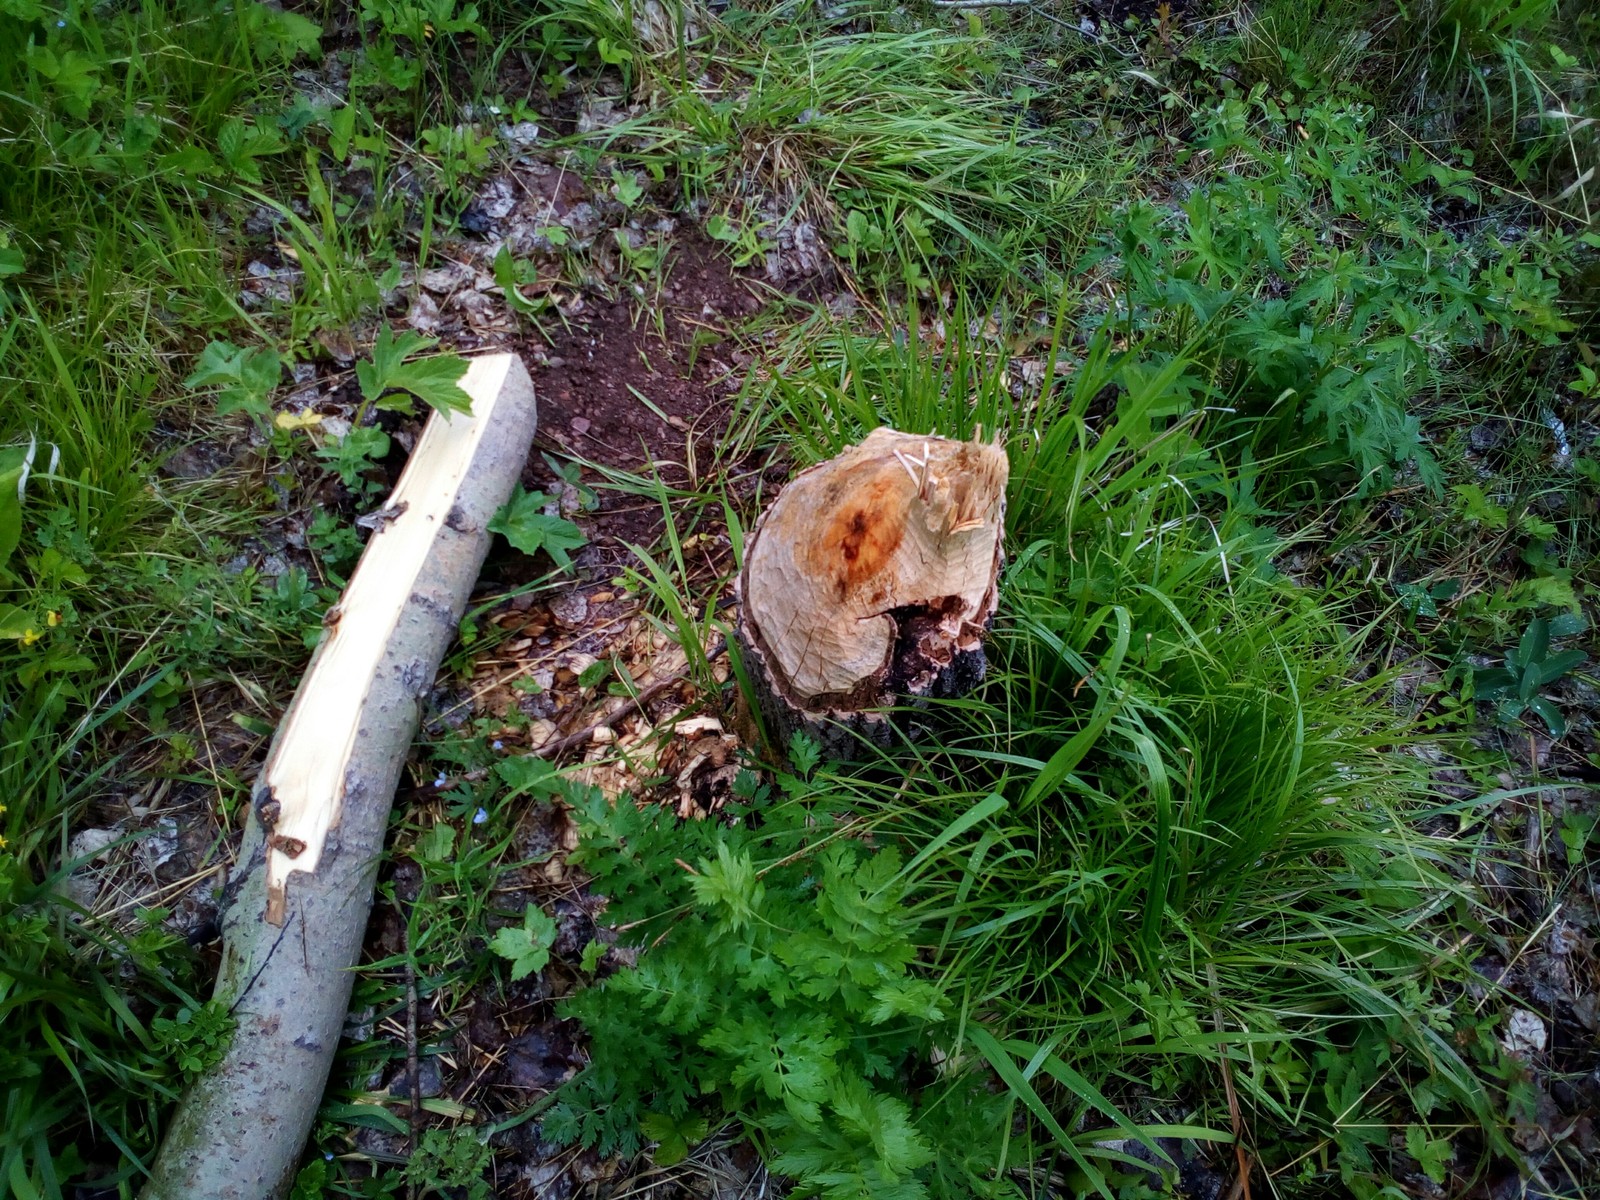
x=450 y=1159
x=1348 y=333
x=460 y=154
x=510 y=274
x=626 y=187
x=389 y=381
x=527 y=524
x=1423 y=599
x=527 y=946
x=782 y=986
x=244 y=378
x=1530 y=668
x=197 y=1036
x=354 y=455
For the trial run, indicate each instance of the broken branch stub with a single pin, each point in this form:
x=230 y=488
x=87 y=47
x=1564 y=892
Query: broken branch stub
x=302 y=889
x=871 y=581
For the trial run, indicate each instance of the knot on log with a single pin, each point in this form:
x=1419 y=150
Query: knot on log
x=871 y=580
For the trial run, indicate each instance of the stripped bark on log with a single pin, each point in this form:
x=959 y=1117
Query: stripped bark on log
x=302 y=890
x=871 y=581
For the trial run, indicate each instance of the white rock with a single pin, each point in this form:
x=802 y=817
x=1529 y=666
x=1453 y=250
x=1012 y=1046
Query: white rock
x=1525 y=1034
x=90 y=844
x=523 y=133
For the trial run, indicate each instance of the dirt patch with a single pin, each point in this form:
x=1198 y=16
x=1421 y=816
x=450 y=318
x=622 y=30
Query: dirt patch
x=645 y=386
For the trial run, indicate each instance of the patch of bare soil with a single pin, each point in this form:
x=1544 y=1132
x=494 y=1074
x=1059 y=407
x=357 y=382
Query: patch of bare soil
x=644 y=385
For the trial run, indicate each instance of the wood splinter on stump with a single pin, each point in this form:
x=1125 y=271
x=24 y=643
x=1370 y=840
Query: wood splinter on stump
x=870 y=582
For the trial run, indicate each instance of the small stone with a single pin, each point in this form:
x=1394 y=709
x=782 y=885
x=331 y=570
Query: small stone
x=161 y=846
x=423 y=315
x=358 y=1025
x=523 y=133
x=1486 y=435
x=1525 y=1034
x=90 y=845
x=451 y=277
x=580 y=425
x=1587 y=1010
x=570 y=609
x=430 y=1080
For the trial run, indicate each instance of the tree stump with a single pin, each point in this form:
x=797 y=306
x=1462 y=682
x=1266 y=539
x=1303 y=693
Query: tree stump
x=869 y=583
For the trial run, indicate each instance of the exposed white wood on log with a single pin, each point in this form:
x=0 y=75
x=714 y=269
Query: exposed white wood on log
x=306 y=772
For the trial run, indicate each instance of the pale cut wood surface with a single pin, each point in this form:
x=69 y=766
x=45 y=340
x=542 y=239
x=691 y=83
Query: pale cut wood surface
x=900 y=534
x=306 y=772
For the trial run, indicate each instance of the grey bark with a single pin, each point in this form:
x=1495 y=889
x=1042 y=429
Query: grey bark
x=239 y=1132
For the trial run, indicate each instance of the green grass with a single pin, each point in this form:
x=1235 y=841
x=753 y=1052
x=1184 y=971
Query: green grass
x=1231 y=296
x=1175 y=836
x=893 y=143
x=113 y=136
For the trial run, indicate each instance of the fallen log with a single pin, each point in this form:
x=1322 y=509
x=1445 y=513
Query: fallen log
x=302 y=890
x=869 y=583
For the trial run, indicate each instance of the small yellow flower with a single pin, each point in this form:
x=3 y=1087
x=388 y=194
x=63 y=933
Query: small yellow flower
x=52 y=619
x=30 y=636
x=3 y=842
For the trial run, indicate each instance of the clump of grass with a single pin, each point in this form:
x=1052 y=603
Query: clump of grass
x=1170 y=853
x=121 y=131
x=890 y=143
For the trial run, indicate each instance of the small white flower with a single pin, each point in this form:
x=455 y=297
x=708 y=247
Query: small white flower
x=441 y=781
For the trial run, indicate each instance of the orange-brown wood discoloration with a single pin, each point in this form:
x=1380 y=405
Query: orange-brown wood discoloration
x=861 y=537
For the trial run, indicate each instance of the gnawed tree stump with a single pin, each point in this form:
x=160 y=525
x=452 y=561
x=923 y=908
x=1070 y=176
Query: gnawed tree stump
x=870 y=583
x=302 y=890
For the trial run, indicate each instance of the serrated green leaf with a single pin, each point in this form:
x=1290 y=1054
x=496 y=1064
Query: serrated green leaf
x=594 y=673
x=435 y=381
x=526 y=526
x=438 y=844
x=524 y=773
x=730 y=884
x=526 y=946
x=1432 y=1154
x=245 y=378
x=885 y=1123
